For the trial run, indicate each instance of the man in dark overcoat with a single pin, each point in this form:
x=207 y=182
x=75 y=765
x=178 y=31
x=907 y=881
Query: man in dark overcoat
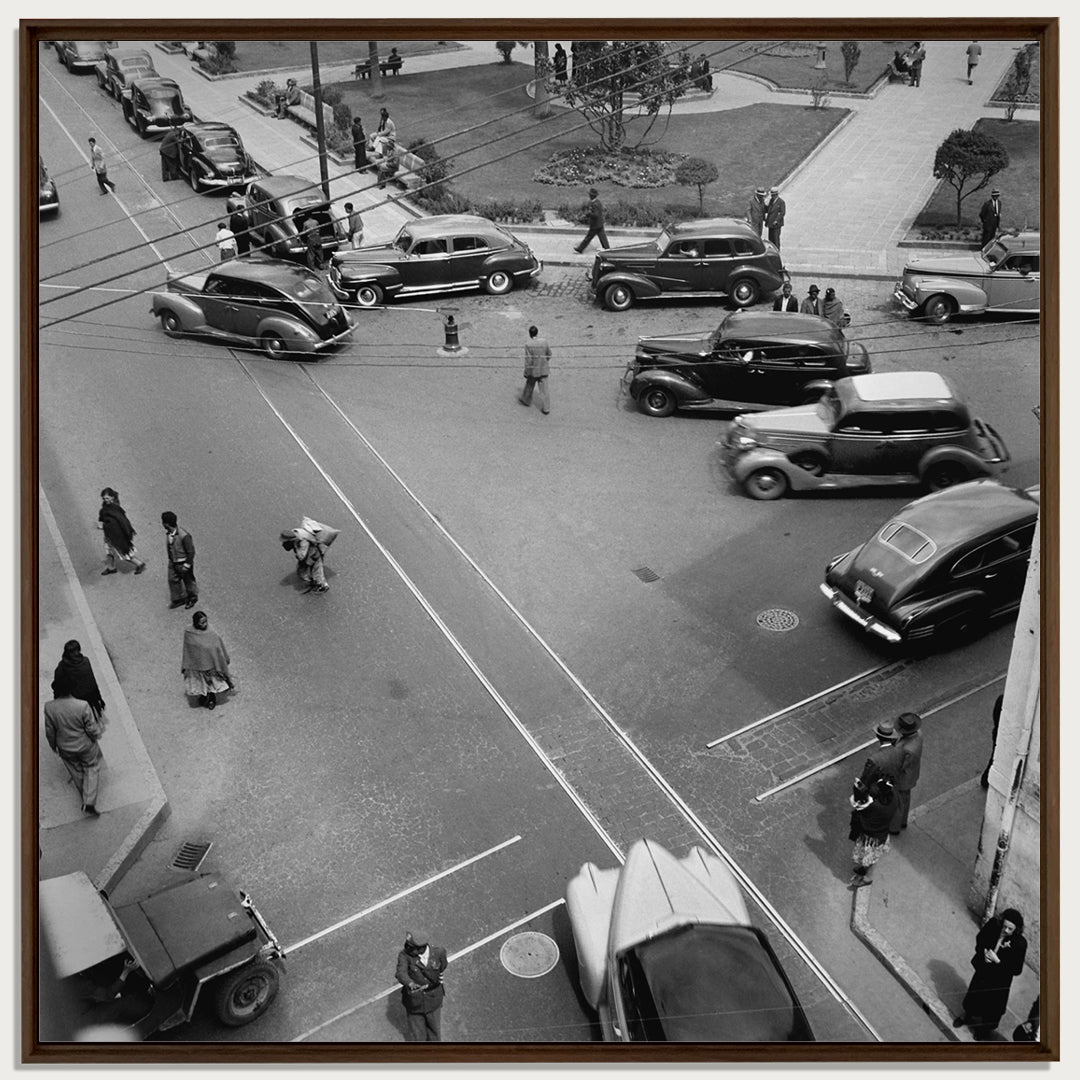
x=990 y=216
x=911 y=747
x=420 y=968
x=774 y=216
x=885 y=759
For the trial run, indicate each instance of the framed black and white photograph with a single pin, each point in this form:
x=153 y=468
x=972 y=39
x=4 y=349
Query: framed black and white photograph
x=546 y=547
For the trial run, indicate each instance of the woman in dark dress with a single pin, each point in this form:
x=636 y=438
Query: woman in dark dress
x=76 y=671
x=1000 y=948
x=871 y=811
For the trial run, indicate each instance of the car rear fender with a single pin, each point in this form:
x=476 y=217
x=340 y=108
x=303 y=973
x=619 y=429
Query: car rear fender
x=974 y=464
x=763 y=458
x=768 y=281
x=685 y=390
x=933 y=612
x=968 y=297
x=589 y=899
x=642 y=287
x=291 y=330
x=186 y=309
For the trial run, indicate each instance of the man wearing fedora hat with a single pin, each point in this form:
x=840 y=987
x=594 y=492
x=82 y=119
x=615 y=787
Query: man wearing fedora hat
x=755 y=215
x=420 y=968
x=990 y=216
x=594 y=210
x=774 y=216
x=910 y=745
x=811 y=304
x=885 y=759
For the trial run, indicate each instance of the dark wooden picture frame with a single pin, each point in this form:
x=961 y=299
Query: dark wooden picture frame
x=1045 y=31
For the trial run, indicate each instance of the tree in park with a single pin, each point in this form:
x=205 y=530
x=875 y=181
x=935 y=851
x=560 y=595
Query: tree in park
x=542 y=71
x=968 y=161
x=374 y=71
x=506 y=48
x=851 y=52
x=617 y=82
x=696 y=172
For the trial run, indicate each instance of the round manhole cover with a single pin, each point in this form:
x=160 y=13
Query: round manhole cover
x=529 y=955
x=778 y=620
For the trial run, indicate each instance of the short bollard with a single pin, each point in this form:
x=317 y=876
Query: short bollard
x=453 y=343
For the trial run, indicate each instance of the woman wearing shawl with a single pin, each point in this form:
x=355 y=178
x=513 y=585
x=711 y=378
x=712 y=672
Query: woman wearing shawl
x=832 y=307
x=75 y=671
x=119 y=535
x=1000 y=949
x=205 y=663
x=871 y=812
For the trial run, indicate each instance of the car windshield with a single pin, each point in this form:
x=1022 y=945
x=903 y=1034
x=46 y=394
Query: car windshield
x=709 y=984
x=404 y=240
x=828 y=407
x=663 y=240
x=994 y=252
x=135 y=62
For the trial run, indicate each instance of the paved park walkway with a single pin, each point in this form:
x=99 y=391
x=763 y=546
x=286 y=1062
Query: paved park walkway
x=848 y=205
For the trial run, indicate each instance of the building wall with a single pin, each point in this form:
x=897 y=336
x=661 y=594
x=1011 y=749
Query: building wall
x=1007 y=868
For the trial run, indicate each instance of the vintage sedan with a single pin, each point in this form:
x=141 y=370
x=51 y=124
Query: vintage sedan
x=213 y=158
x=120 y=66
x=442 y=254
x=145 y=966
x=752 y=360
x=155 y=105
x=667 y=953
x=941 y=568
x=276 y=209
x=902 y=427
x=717 y=257
x=81 y=56
x=1002 y=278
x=282 y=308
x=48 y=196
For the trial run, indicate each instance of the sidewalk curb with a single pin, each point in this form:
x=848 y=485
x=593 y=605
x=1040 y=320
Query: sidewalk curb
x=158 y=810
x=923 y=996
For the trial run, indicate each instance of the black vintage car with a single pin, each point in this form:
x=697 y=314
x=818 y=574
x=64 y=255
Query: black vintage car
x=276 y=209
x=81 y=56
x=212 y=157
x=752 y=360
x=120 y=66
x=155 y=105
x=942 y=567
x=441 y=254
x=718 y=257
x=48 y=197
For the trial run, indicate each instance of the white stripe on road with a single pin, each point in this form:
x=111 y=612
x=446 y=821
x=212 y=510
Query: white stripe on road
x=799 y=704
x=863 y=746
x=443 y=628
x=404 y=892
x=450 y=957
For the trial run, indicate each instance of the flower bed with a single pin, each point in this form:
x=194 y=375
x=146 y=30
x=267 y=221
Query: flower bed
x=583 y=165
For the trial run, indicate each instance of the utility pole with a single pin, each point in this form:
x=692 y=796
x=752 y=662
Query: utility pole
x=320 y=130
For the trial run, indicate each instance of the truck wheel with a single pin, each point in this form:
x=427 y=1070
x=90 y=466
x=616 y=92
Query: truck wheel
x=244 y=995
x=369 y=296
x=939 y=309
x=618 y=297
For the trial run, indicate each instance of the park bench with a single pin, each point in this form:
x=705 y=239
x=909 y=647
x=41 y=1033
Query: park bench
x=403 y=167
x=363 y=69
x=304 y=113
x=895 y=74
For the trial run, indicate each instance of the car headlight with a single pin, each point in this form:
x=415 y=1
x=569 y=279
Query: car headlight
x=743 y=440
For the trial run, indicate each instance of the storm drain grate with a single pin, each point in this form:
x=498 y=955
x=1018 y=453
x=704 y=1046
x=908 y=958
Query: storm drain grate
x=779 y=620
x=646 y=574
x=529 y=955
x=190 y=856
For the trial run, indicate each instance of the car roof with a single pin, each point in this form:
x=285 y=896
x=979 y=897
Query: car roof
x=268 y=271
x=286 y=185
x=965 y=512
x=789 y=327
x=451 y=225
x=898 y=389
x=153 y=81
x=1020 y=241
x=126 y=54
x=711 y=226
x=209 y=127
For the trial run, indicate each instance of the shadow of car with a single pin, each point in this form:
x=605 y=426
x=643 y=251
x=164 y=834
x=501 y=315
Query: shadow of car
x=942 y=567
x=752 y=360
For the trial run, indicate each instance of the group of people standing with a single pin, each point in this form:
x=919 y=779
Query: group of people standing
x=829 y=306
x=767 y=216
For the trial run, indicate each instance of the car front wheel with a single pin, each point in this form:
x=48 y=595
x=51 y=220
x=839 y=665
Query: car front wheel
x=943 y=475
x=170 y=323
x=369 y=296
x=618 y=297
x=275 y=346
x=766 y=484
x=657 y=401
x=939 y=309
x=194 y=180
x=244 y=995
x=498 y=283
x=745 y=292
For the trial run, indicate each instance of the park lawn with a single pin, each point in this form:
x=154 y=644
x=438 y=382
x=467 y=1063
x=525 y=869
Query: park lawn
x=759 y=144
x=798 y=72
x=1019 y=183
x=259 y=55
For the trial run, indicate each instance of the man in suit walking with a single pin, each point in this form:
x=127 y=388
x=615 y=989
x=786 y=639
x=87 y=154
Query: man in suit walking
x=595 y=210
x=420 y=968
x=990 y=216
x=911 y=747
x=537 y=369
x=180 y=556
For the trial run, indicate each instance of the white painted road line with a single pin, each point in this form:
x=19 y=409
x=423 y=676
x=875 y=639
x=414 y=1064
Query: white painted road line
x=799 y=704
x=813 y=770
x=450 y=958
x=404 y=892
